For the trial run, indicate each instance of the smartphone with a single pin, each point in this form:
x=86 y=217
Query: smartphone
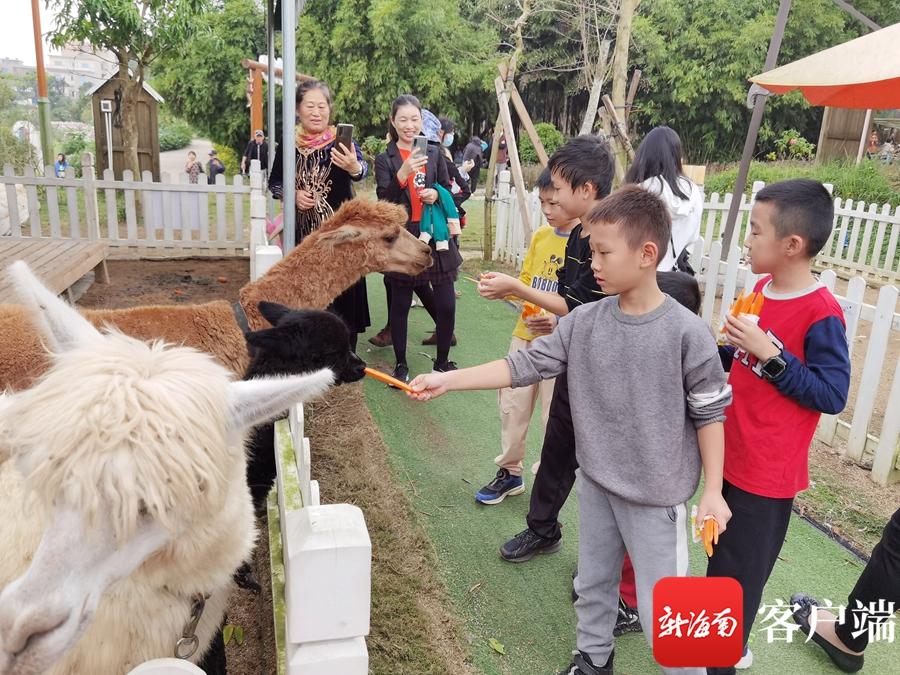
x=420 y=143
x=345 y=136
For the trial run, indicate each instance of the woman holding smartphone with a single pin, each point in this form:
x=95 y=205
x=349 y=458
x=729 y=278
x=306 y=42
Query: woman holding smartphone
x=326 y=171
x=405 y=174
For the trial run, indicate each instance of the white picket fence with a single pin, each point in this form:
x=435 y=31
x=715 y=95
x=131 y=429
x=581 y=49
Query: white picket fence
x=850 y=249
x=132 y=215
x=323 y=553
x=864 y=239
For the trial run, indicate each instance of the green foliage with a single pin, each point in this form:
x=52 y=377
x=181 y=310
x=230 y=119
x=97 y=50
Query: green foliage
x=372 y=146
x=864 y=182
x=230 y=159
x=550 y=136
x=204 y=82
x=369 y=51
x=791 y=145
x=174 y=134
x=135 y=32
x=13 y=151
x=73 y=145
x=696 y=56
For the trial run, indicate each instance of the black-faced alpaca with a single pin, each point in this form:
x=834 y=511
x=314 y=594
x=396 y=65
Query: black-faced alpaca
x=299 y=341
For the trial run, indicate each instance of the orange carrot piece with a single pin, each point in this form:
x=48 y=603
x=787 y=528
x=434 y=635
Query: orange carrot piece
x=738 y=304
x=735 y=309
x=710 y=535
x=387 y=379
x=756 y=307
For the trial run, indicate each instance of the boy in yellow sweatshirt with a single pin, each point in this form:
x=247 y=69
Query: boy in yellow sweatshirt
x=545 y=256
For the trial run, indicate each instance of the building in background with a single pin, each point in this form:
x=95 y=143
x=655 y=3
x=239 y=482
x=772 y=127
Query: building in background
x=79 y=64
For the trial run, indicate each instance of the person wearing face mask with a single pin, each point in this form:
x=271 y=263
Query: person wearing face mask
x=404 y=176
x=325 y=176
x=474 y=152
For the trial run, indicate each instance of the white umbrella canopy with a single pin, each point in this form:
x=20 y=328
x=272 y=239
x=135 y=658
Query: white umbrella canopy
x=861 y=73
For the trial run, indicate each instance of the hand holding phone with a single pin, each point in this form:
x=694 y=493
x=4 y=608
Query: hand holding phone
x=345 y=136
x=420 y=143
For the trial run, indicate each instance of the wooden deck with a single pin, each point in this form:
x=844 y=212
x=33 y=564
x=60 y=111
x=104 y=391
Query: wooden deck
x=59 y=263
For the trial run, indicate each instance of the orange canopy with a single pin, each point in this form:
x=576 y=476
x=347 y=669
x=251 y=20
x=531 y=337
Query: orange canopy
x=861 y=73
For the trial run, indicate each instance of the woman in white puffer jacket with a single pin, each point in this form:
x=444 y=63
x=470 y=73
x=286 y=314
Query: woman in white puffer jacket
x=657 y=168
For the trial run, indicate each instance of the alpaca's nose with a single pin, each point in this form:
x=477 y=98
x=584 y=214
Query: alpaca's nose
x=22 y=627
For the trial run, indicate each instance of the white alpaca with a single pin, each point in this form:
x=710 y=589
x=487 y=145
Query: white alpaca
x=122 y=495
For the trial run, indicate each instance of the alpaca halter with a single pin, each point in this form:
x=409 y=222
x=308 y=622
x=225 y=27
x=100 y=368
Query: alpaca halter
x=187 y=644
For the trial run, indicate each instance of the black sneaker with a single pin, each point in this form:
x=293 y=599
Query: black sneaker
x=445 y=367
x=527 y=544
x=627 y=621
x=401 y=372
x=582 y=665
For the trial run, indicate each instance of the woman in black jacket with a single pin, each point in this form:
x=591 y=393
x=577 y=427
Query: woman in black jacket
x=325 y=177
x=404 y=176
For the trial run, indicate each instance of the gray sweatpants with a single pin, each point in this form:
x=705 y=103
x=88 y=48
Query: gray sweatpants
x=656 y=538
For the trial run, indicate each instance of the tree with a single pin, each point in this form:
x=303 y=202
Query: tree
x=369 y=51
x=205 y=83
x=696 y=56
x=136 y=32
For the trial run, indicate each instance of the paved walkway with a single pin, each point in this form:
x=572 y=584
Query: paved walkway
x=172 y=161
x=444 y=452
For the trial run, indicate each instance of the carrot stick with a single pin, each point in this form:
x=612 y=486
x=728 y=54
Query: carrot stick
x=738 y=304
x=710 y=535
x=387 y=379
x=735 y=309
x=756 y=307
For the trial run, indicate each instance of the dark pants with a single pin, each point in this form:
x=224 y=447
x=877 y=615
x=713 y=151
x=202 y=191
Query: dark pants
x=556 y=475
x=424 y=293
x=748 y=549
x=444 y=314
x=880 y=580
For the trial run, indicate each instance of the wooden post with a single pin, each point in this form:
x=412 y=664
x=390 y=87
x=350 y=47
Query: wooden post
x=864 y=137
x=486 y=238
x=632 y=92
x=522 y=112
x=514 y=164
x=256 y=102
x=91 y=210
x=619 y=133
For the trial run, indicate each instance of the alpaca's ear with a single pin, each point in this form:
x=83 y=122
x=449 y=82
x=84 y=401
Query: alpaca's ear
x=260 y=399
x=266 y=338
x=272 y=311
x=342 y=234
x=62 y=326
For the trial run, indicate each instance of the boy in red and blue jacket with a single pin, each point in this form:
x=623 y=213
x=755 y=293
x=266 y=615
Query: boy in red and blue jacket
x=784 y=372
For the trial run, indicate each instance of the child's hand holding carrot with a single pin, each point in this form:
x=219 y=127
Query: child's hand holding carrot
x=745 y=334
x=496 y=285
x=713 y=515
x=541 y=324
x=428 y=386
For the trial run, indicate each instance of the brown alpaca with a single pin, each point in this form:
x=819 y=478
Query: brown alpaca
x=363 y=236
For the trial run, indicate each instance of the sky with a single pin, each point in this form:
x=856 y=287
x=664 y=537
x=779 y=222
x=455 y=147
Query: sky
x=16 y=33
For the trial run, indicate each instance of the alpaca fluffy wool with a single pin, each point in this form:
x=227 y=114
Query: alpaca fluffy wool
x=111 y=412
x=131 y=429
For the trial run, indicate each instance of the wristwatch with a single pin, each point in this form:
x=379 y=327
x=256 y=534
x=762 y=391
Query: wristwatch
x=358 y=174
x=773 y=368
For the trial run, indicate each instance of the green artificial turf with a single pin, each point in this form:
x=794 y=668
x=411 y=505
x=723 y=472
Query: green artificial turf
x=443 y=451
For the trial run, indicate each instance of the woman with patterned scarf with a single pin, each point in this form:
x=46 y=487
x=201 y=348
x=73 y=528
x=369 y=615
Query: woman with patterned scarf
x=325 y=174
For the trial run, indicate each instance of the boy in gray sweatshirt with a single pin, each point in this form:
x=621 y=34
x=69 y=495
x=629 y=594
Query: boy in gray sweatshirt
x=647 y=392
